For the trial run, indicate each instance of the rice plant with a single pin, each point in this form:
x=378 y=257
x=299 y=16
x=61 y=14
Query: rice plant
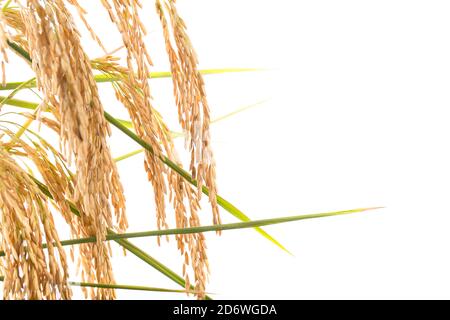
x=76 y=177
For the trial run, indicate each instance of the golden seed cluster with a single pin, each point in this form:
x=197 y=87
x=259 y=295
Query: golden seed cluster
x=65 y=77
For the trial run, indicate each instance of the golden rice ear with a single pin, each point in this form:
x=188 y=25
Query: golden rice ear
x=16 y=26
x=65 y=76
x=193 y=112
x=190 y=97
x=135 y=95
x=50 y=164
x=25 y=224
x=60 y=183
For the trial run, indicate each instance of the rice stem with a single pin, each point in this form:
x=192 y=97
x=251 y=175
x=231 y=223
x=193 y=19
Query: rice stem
x=120 y=286
x=101 y=78
x=128 y=155
x=6 y=5
x=201 y=229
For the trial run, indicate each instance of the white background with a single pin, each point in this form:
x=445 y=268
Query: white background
x=357 y=117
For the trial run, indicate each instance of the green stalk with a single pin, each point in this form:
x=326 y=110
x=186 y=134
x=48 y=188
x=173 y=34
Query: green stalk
x=17 y=89
x=125 y=287
x=101 y=78
x=119 y=286
x=128 y=155
x=19 y=103
x=33 y=105
x=201 y=229
x=6 y=5
x=20 y=51
x=247 y=107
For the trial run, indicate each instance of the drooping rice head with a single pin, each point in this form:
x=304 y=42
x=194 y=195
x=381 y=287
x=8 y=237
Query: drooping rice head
x=64 y=75
x=26 y=223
